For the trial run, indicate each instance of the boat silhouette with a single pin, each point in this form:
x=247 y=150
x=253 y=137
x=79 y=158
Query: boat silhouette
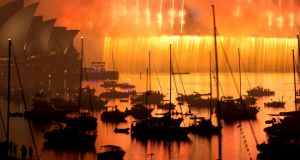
x=70 y=138
x=122 y=130
x=114 y=94
x=277 y=104
x=113 y=115
x=62 y=104
x=115 y=84
x=42 y=109
x=259 y=91
x=88 y=98
x=98 y=72
x=110 y=152
x=232 y=110
x=139 y=111
x=283 y=134
x=153 y=97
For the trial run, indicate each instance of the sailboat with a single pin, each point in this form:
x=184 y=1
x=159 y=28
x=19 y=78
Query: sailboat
x=205 y=126
x=197 y=100
x=152 y=97
x=110 y=152
x=283 y=135
x=109 y=83
x=232 y=110
x=112 y=92
x=164 y=127
x=113 y=115
x=84 y=120
x=78 y=133
x=62 y=104
x=259 y=91
x=297 y=93
x=42 y=109
x=88 y=98
x=142 y=110
x=70 y=138
x=114 y=83
x=275 y=104
x=6 y=147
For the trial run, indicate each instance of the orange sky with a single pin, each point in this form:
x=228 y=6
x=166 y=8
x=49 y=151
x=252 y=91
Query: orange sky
x=98 y=18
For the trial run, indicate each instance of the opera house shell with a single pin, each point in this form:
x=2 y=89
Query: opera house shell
x=40 y=47
x=33 y=37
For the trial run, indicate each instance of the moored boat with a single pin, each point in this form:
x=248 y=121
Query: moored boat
x=110 y=152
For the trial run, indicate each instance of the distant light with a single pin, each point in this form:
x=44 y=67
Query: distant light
x=82 y=37
x=9 y=39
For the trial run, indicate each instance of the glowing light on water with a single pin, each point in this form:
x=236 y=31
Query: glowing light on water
x=192 y=52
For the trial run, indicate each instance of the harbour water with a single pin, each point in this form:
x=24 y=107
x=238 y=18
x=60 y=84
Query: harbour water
x=238 y=142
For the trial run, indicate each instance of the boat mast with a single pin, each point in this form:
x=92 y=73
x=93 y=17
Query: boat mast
x=298 y=40
x=210 y=86
x=239 y=53
x=8 y=90
x=113 y=61
x=217 y=67
x=80 y=78
x=217 y=82
x=146 y=93
x=170 y=105
x=295 y=89
x=149 y=71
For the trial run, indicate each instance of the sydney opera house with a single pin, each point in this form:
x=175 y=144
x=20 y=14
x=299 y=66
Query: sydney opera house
x=42 y=49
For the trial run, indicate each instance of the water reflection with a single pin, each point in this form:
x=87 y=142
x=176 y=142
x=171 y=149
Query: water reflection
x=238 y=141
